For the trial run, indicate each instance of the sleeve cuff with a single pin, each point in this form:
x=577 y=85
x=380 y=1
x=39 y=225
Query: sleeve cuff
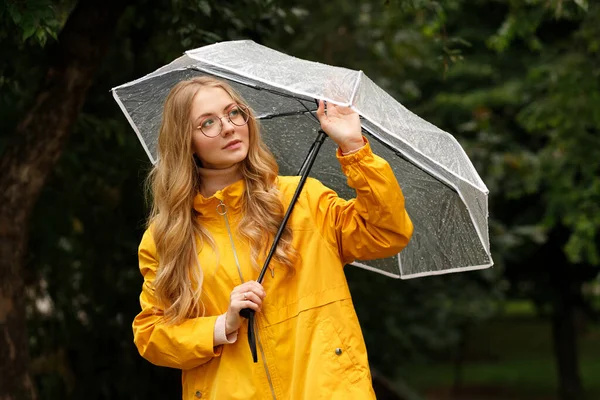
x=354 y=155
x=220 y=337
x=352 y=151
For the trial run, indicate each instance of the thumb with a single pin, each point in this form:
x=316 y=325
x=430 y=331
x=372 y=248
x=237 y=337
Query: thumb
x=321 y=111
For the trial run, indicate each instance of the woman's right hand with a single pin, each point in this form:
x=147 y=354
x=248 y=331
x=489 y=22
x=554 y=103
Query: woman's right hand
x=247 y=295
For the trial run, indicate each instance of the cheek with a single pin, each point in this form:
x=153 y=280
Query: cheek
x=246 y=134
x=201 y=146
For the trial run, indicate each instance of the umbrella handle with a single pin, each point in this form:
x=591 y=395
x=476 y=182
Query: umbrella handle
x=247 y=313
x=252 y=337
x=305 y=170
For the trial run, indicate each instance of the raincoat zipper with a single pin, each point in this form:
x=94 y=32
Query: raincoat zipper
x=222 y=210
x=262 y=354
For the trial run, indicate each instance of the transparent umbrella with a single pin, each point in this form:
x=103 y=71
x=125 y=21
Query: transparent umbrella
x=445 y=197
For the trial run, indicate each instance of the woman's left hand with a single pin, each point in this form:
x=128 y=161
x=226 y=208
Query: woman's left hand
x=342 y=125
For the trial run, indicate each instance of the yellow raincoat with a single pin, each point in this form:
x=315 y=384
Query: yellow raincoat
x=310 y=343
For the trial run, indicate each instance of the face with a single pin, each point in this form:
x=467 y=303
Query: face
x=231 y=145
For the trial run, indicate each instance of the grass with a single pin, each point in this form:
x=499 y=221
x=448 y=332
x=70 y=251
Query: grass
x=509 y=358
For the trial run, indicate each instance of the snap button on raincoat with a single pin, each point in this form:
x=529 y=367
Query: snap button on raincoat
x=309 y=338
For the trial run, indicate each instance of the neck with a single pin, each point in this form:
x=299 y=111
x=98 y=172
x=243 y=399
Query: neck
x=213 y=180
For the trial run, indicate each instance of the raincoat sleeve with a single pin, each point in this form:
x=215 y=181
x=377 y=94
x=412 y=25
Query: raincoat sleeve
x=373 y=225
x=183 y=346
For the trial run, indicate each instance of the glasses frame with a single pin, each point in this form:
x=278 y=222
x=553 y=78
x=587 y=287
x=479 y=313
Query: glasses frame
x=243 y=109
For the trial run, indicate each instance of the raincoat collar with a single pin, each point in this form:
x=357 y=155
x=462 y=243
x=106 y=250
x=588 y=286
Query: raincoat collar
x=230 y=195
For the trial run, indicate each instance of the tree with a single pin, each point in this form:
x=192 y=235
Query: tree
x=27 y=160
x=532 y=129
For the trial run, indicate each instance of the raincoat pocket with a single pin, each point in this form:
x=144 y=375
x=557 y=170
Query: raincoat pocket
x=192 y=383
x=337 y=350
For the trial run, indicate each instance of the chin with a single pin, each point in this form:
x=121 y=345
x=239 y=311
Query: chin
x=228 y=159
x=239 y=156
x=231 y=161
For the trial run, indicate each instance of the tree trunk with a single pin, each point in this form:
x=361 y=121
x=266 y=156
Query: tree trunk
x=26 y=163
x=564 y=331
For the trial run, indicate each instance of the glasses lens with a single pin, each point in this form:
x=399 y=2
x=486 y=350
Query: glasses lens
x=211 y=126
x=239 y=115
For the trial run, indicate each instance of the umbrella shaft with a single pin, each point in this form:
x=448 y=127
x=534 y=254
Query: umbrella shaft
x=305 y=170
x=310 y=156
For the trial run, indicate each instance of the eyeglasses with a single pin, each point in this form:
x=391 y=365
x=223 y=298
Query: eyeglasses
x=212 y=125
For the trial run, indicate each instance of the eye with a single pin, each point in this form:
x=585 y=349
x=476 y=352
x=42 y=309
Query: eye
x=207 y=123
x=234 y=112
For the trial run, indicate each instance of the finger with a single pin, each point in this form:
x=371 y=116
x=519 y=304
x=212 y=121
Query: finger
x=244 y=287
x=337 y=110
x=258 y=289
x=250 y=286
x=346 y=110
x=321 y=110
x=251 y=296
x=241 y=304
x=254 y=287
x=256 y=295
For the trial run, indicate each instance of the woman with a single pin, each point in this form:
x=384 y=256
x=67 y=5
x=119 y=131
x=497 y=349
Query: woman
x=217 y=204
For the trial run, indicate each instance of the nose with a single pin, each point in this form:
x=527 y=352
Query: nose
x=227 y=127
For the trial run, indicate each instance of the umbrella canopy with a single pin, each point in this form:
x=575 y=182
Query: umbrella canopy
x=445 y=197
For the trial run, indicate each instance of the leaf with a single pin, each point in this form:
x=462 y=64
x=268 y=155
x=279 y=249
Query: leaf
x=205 y=8
x=51 y=32
x=14 y=13
x=28 y=32
x=582 y=3
x=41 y=37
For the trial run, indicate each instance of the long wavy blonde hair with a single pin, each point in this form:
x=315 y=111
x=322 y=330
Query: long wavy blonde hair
x=174 y=182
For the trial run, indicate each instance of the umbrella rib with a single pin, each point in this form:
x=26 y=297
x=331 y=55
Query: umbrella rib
x=285 y=114
x=281 y=93
x=310 y=112
x=352 y=97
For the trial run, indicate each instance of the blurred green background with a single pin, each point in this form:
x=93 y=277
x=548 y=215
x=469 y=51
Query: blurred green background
x=517 y=82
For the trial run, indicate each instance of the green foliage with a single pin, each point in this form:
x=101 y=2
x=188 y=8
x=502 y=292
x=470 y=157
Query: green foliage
x=510 y=357
x=37 y=20
x=420 y=318
x=86 y=229
x=218 y=21
x=563 y=93
x=528 y=114
x=27 y=27
x=517 y=82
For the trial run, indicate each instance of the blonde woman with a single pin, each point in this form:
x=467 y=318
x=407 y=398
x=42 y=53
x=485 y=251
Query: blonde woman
x=217 y=203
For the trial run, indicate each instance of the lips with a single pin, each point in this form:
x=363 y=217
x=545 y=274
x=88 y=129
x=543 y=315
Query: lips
x=232 y=143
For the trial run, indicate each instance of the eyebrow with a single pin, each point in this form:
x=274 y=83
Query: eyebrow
x=206 y=114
